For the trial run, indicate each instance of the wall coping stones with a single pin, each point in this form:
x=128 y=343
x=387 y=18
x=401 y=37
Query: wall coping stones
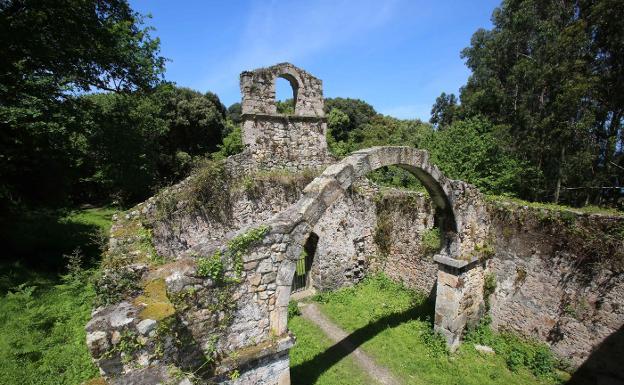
x=459 y=264
x=283 y=117
x=248 y=356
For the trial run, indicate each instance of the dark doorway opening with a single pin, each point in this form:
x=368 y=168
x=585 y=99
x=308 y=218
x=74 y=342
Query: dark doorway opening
x=301 y=278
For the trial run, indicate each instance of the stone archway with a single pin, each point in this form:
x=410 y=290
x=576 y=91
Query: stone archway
x=459 y=295
x=253 y=339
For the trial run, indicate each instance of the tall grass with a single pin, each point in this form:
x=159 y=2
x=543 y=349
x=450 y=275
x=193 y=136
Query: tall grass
x=45 y=306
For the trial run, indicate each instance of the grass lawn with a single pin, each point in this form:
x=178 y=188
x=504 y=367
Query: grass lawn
x=42 y=315
x=393 y=324
x=312 y=352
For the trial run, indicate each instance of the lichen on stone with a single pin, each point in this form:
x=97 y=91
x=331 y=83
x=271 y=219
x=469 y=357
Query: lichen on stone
x=157 y=305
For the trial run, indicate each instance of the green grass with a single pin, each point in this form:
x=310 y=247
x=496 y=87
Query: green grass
x=43 y=310
x=555 y=207
x=36 y=242
x=393 y=324
x=312 y=353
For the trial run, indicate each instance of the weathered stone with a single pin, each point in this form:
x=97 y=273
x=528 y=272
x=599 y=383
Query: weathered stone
x=339 y=220
x=265 y=266
x=484 y=349
x=97 y=342
x=269 y=277
x=255 y=279
x=120 y=316
x=146 y=326
x=115 y=337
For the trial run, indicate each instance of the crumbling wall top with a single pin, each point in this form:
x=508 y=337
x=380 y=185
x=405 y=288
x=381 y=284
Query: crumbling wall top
x=258 y=90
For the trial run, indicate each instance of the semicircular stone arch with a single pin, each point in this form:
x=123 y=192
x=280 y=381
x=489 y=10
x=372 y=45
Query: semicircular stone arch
x=293 y=79
x=456 y=202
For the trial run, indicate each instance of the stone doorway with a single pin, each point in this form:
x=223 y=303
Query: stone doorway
x=301 y=278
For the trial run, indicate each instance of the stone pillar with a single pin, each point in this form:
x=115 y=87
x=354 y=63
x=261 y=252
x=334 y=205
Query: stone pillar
x=459 y=297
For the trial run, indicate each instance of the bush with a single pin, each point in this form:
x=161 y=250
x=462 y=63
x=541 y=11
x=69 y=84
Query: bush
x=431 y=240
x=518 y=352
x=293 y=309
x=211 y=267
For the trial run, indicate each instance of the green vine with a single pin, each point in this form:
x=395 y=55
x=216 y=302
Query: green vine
x=214 y=267
x=489 y=286
x=128 y=344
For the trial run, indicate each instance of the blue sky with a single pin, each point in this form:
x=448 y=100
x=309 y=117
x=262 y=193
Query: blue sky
x=397 y=55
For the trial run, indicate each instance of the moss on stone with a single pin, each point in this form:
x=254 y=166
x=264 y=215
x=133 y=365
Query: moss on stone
x=133 y=244
x=155 y=300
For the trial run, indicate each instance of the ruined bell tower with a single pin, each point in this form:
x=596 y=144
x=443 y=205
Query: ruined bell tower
x=273 y=140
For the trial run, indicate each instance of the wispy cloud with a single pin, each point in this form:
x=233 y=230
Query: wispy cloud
x=292 y=31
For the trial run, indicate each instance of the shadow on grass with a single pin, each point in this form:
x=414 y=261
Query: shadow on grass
x=308 y=372
x=35 y=243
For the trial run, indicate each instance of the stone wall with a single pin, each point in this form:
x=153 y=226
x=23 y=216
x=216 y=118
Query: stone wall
x=198 y=279
x=346 y=241
x=274 y=140
x=202 y=285
x=247 y=198
x=559 y=275
x=258 y=90
x=405 y=216
x=289 y=142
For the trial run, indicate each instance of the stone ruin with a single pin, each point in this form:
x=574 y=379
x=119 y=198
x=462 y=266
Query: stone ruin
x=197 y=291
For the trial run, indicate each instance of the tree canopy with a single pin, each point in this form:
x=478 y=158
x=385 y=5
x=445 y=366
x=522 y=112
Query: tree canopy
x=552 y=74
x=51 y=52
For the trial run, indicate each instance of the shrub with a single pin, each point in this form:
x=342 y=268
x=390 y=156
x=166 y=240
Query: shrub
x=518 y=352
x=211 y=267
x=431 y=240
x=293 y=309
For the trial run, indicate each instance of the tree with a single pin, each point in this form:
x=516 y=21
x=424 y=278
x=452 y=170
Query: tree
x=234 y=113
x=138 y=142
x=469 y=150
x=338 y=121
x=51 y=51
x=444 y=110
x=195 y=125
x=548 y=72
x=358 y=111
x=124 y=136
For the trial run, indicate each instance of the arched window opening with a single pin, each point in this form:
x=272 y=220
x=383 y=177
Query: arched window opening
x=301 y=278
x=396 y=177
x=404 y=186
x=285 y=95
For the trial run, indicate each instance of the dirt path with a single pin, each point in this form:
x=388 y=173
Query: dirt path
x=383 y=376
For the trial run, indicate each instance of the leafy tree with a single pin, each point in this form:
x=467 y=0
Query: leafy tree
x=50 y=51
x=444 y=110
x=124 y=137
x=548 y=72
x=469 y=150
x=232 y=143
x=358 y=111
x=140 y=141
x=337 y=121
x=195 y=125
x=234 y=113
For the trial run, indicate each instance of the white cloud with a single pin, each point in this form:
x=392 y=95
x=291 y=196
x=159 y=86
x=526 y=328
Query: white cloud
x=291 y=31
